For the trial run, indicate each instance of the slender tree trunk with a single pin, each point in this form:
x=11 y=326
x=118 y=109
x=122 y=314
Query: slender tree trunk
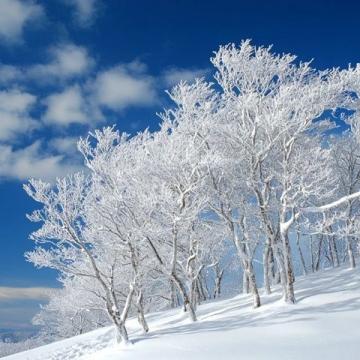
x=318 y=257
x=188 y=306
x=274 y=273
x=245 y=284
x=350 y=253
x=330 y=257
x=246 y=257
x=252 y=284
x=281 y=273
x=204 y=287
x=348 y=239
x=302 y=260
x=266 y=265
x=201 y=288
x=312 y=253
x=334 y=251
x=194 y=293
x=277 y=276
x=140 y=310
x=121 y=334
x=173 y=295
x=289 y=274
x=275 y=265
x=111 y=301
x=119 y=320
x=218 y=278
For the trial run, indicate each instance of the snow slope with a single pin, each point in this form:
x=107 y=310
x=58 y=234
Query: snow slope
x=324 y=324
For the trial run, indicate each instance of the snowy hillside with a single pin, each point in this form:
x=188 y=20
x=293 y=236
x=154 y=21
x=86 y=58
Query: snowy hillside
x=324 y=324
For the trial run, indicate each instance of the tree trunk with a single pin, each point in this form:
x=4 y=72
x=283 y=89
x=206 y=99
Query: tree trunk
x=318 y=257
x=289 y=273
x=312 y=253
x=194 y=293
x=334 y=251
x=350 y=253
x=219 y=274
x=140 y=310
x=245 y=284
x=266 y=265
x=188 y=306
x=302 y=260
x=203 y=288
x=121 y=334
x=252 y=284
x=174 y=295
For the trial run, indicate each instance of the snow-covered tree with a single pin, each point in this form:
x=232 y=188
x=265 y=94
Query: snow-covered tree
x=236 y=168
x=67 y=244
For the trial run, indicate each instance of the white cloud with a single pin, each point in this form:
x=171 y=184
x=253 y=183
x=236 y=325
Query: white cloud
x=24 y=293
x=115 y=89
x=123 y=86
x=66 y=107
x=84 y=11
x=30 y=162
x=9 y=73
x=66 y=61
x=65 y=145
x=15 y=15
x=174 y=75
x=14 y=113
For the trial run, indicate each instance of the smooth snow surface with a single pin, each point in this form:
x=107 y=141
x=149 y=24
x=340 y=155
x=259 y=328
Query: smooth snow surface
x=324 y=324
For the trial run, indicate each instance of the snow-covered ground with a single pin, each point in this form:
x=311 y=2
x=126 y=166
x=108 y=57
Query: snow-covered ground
x=324 y=324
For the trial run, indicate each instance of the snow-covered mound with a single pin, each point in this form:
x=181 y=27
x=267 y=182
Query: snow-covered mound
x=324 y=324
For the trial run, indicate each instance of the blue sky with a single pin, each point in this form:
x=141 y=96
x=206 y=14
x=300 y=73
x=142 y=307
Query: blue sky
x=68 y=66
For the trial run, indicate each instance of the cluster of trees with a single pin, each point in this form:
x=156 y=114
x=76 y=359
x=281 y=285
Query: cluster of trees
x=245 y=169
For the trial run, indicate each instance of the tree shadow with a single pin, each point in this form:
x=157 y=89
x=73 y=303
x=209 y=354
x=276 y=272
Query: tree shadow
x=240 y=315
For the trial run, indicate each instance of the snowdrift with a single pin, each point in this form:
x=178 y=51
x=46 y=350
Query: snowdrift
x=324 y=324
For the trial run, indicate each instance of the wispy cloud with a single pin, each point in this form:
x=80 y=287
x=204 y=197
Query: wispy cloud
x=80 y=93
x=32 y=161
x=18 y=305
x=25 y=293
x=85 y=11
x=9 y=74
x=124 y=85
x=15 y=118
x=15 y=15
x=66 y=61
x=65 y=145
x=174 y=75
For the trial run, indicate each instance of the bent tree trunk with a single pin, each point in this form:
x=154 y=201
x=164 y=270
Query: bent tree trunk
x=121 y=333
x=120 y=319
x=175 y=280
x=111 y=300
x=188 y=306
